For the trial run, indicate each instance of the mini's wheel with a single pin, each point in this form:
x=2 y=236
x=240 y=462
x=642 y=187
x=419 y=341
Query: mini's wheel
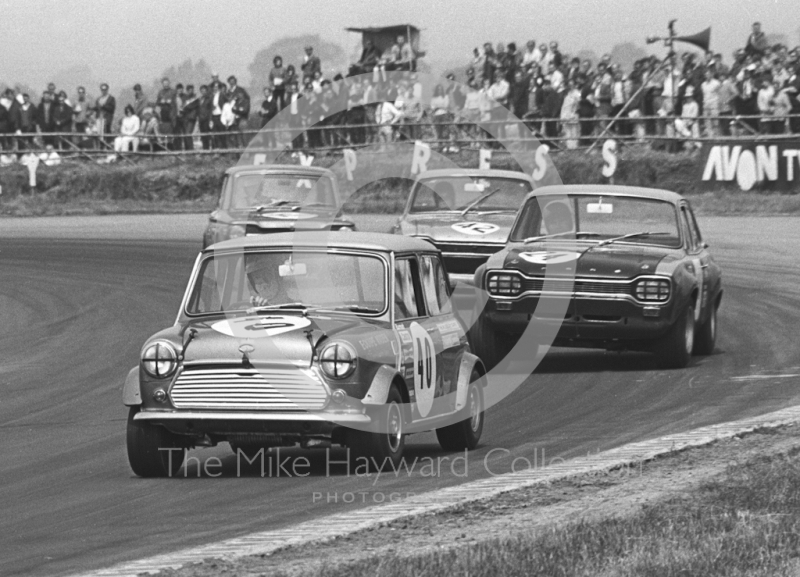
x=152 y=450
x=674 y=350
x=375 y=449
x=466 y=433
x=705 y=335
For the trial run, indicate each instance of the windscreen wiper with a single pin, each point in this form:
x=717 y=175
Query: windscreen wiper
x=559 y=234
x=476 y=202
x=627 y=236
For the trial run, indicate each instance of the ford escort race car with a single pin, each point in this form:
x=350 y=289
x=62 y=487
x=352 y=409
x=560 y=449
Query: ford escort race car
x=467 y=213
x=629 y=263
x=275 y=198
x=307 y=338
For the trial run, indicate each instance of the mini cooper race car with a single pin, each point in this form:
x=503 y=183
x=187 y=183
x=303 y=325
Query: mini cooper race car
x=307 y=338
x=467 y=213
x=630 y=262
x=275 y=198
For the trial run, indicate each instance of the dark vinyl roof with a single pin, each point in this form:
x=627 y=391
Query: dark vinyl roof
x=279 y=169
x=371 y=241
x=609 y=190
x=487 y=172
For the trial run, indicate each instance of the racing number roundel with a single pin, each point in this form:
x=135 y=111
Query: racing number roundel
x=424 y=368
x=475 y=228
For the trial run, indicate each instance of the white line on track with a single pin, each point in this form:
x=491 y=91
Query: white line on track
x=764 y=377
x=266 y=542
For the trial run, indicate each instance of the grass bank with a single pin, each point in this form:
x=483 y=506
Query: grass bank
x=193 y=184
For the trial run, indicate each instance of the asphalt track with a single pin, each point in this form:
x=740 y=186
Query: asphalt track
x=77 y=305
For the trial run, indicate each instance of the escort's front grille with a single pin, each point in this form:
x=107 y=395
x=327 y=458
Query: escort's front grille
x=575 y=286
x=511 y=284
x=247 y=388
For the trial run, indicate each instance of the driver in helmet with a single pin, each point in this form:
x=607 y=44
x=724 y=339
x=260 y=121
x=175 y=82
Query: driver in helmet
x=263 y=281
x=558 y=218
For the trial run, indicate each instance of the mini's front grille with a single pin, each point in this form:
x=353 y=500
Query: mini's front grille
x=247 y=388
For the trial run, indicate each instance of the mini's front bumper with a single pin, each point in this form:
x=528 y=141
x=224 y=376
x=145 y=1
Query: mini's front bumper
x=219 y=422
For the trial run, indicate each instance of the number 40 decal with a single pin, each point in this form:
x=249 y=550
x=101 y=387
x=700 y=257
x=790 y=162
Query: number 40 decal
x=424 y=368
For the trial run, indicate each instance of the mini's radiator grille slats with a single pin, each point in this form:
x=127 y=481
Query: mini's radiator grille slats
x=248 y=389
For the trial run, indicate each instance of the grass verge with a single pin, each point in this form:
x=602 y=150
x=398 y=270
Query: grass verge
x=730 y=508
x=193 y=184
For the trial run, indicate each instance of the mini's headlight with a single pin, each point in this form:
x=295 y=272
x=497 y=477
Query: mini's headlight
x=653 y=290
x=338 y=360
x=237 y=230
x=345 y=229
x=160 y=359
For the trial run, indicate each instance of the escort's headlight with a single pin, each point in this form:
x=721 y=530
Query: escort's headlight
x=338 y=360
x=505 y=285
x=653 y=290
x=160 y=359
x=236 y=231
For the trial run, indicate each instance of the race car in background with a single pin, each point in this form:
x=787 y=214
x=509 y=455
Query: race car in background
x=466 y=213
x=631 y=262
x=275 y=198
x=309 y=339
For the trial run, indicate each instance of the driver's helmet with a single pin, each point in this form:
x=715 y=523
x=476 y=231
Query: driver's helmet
x=445 y=191
x=262 y=273
x=558 y=218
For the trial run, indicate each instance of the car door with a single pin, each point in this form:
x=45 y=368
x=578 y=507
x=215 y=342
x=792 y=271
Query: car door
x=448 y=334
x=711 y=271
x=421 y=357
x=699 y=258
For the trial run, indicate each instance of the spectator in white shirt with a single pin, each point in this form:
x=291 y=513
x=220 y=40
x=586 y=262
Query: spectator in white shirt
x=687 y=125
x=129 y=128
x=711 y=102
x=387 y=116
x=532 y=54
x=498 y=92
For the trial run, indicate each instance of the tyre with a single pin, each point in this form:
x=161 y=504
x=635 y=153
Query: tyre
x=388 y=444
x=674 y=350
x=705 y=335
x=152 y=449
x=488 y=344
x=465 y=434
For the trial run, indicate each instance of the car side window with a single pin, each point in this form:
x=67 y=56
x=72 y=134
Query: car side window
x=435 y=285
x=406 y=299
x=693 y=223
x=691 y=231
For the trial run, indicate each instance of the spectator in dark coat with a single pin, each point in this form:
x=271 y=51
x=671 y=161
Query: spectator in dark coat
x=269 y=109
x=188 y=116
x=277 y=79
x=104 y=108
x=757 y=41
x=25 y=121
x=8 y=106
x=44 y=117
x=241 y=108
x=204 y=107
x=167 y=105
x=218 y=100
x=370 y=56
x=62 y=119
x=311 y=64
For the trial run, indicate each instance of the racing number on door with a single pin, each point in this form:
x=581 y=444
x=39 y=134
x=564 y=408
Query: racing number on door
x=424 y=368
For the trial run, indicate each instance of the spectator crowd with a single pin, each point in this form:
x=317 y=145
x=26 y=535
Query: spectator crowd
x=563 y=99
